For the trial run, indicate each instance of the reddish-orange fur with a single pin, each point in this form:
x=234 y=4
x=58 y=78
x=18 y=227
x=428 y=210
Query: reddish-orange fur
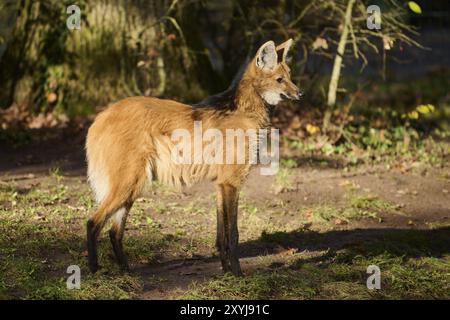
x=129 y=144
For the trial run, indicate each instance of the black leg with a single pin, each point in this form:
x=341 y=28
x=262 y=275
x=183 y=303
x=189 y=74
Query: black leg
x=118 y=250
x=227 y=228
x=221 y=238
x=116 y=236
x=94 y=225
x=92 y=245
x=231 y=198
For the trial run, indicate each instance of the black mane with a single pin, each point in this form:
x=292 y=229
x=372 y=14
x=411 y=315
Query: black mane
x=224 y=99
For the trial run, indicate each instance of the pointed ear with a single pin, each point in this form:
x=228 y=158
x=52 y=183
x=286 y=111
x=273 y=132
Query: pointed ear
x=266 y=57
x=283 y=49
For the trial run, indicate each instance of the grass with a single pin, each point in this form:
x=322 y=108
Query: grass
x=407 y=272
x=284 y=177
x=357 y=207
x=338 y=281
x=42 y=233
x=390 y=146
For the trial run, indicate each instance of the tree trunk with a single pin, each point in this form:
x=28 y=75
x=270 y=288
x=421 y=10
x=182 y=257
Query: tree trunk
x=332 y=89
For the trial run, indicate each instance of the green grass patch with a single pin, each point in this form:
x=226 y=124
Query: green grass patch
x=42 y=232
x=408 y=271
x=356 y=207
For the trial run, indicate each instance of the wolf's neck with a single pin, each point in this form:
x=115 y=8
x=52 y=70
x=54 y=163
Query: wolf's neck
x=250 y=104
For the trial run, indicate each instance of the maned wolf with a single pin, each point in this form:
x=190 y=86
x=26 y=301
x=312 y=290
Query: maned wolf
x=130 y=144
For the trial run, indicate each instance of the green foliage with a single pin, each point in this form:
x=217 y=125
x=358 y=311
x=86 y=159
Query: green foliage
x=357 y=207
x=383 y=136
x=340 y=275
x=49 y=67
x=42 y=232
x=163 y=49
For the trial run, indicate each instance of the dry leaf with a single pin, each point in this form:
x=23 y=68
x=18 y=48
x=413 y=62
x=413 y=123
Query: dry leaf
x=320 y=43
x=339 y=222
x=312 y=129
x=52 y=97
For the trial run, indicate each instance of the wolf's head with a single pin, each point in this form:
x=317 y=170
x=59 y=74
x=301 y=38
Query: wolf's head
x=271 y=74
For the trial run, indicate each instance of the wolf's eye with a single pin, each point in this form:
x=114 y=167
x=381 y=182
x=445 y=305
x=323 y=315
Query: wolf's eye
x=280 y=79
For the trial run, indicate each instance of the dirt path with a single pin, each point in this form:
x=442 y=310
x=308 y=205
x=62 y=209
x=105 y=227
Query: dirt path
x=170 y=237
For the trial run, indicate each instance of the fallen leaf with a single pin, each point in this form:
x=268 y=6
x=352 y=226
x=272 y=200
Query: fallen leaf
x=295 y=123
x=425 y=108
x=52 y=97
x=289 y=252
x=340 y=222
x=312 y=129
x=413 y=115
x=345 y=183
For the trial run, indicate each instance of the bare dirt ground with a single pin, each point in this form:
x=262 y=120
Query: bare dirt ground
x=330 y=219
